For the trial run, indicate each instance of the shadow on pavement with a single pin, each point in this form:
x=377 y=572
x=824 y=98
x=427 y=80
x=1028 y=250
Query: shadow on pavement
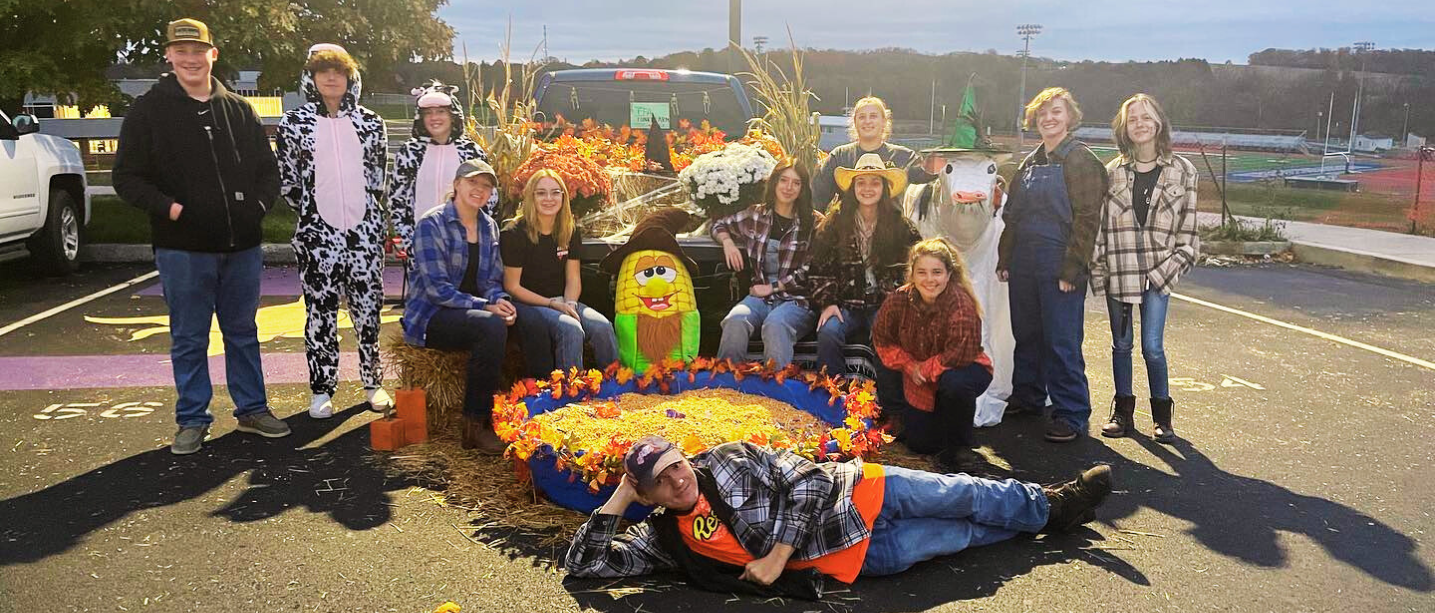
x=335 y=478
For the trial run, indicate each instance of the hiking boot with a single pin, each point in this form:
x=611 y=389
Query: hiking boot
x=264 y=424
x=1161 y=410
x=321 y=406
x=1058 y=431
x=479 y=436
x=189 y=440
x=1074 y=503
x=1123 y=417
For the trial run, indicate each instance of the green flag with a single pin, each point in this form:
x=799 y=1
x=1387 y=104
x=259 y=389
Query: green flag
x=964 y=128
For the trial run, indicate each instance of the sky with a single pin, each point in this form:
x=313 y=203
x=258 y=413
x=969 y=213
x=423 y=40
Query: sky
x=1103 y=30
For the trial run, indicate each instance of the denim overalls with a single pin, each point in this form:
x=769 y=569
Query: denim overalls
x=1047 y=322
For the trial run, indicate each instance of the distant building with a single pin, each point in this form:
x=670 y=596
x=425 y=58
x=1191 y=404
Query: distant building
x=833 y=131
x=1374 y=143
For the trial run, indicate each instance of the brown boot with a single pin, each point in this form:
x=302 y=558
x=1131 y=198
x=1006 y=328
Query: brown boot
x=478 y=434
x=1161 y=410
x=1123 y=417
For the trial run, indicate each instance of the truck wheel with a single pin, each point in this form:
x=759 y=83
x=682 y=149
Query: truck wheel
x=56 y=247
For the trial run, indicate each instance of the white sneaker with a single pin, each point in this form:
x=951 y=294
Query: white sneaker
x=321 y=407
x=379 y=400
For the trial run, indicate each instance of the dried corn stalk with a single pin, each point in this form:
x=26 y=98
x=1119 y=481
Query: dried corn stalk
x=787 y=112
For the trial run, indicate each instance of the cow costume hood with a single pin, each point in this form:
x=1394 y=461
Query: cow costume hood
x=435 y=94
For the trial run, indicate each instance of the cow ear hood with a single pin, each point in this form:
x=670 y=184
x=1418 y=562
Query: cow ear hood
x=435 y=94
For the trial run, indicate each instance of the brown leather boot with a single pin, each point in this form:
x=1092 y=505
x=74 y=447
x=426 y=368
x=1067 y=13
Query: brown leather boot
x=1161 y=410
x=478 y=434
x=1123 y=417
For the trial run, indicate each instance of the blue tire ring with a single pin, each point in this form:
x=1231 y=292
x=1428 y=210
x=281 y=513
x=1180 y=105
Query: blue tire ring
x=565 y=489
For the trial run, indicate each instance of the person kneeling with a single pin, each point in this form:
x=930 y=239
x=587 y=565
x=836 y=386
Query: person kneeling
x=739 y=517
x=928 y=335
x=456 y=299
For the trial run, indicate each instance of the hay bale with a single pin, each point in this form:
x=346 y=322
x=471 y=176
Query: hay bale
x=441 y=374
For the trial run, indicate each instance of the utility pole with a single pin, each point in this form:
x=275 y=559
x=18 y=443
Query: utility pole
x=932 y=111
x=1405 y=127
x=1361 y=48
x=1329 y=115
x=545 y=43
x=1026 y=31
x=734 y=33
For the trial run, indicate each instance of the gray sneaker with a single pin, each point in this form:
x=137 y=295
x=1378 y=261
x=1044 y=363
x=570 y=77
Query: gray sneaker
x=188 y=440
x=264 y=424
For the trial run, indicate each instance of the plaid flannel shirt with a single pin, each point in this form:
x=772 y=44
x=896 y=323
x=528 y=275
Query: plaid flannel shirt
x=839 y=274
x=939 y=337
x=1129 y=255
x=440 y=259
x=776 y=496
x=750 y=229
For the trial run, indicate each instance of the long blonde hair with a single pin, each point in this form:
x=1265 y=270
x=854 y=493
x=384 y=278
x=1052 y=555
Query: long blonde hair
x=528 y=209
x=949 y=256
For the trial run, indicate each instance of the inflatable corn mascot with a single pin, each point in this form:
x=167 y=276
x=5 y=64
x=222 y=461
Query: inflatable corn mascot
x=656 y=311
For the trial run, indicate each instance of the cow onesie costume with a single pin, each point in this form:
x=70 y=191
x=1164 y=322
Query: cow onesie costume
x=332 y=172
x=424 y=168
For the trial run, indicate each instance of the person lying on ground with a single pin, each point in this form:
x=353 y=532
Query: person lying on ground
x=740 y=517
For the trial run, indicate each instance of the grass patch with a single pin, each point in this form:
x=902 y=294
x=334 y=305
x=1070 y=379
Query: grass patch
x=1275 y=201
x=113 y=221
x=1238 y=231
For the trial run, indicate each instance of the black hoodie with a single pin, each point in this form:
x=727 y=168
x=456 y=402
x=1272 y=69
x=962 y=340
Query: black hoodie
x=211 y=157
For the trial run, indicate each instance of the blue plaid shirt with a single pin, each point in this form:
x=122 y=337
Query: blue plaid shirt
x=440 y=259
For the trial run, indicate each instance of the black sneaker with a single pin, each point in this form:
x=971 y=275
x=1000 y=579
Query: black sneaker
x=1058 y=431
x=1074 y=503
x=1015 y=408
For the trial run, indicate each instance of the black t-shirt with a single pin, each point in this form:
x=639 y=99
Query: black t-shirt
x=1141 y=191
x=469 y=283
x=544 y=264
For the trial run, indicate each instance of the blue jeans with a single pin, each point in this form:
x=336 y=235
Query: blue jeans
x=199 y=287
x=1153 y=342
x=856 y=329
x=782 y=324
x=567 y=335
x=1048 y=325
x=925 y=515
x=485 y=337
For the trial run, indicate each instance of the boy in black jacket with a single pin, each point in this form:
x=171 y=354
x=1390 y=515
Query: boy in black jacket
x=195 y=157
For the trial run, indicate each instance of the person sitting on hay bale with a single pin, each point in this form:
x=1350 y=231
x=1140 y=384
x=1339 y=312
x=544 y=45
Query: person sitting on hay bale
x=744 y=518
x=456 y=298
x=542 y=271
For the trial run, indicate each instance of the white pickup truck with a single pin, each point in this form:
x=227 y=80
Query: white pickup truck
x=43 y=203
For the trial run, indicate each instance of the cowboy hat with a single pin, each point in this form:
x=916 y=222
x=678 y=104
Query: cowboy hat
x=872 y=164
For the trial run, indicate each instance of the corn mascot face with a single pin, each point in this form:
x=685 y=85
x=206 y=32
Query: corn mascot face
x=656 y=309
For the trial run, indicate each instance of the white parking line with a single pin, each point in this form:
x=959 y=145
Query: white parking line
x=1316 y=333
x=77 y=302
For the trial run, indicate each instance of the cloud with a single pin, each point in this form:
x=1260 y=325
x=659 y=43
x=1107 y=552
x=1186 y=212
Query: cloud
x=1217 y=30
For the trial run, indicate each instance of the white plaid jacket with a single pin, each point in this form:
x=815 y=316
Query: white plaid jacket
x=1128 y=255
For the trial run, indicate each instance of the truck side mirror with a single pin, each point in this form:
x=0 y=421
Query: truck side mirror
x=25 y=124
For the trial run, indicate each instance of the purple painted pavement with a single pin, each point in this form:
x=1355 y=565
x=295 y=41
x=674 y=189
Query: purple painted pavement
x=285 y=282
x=144 y=370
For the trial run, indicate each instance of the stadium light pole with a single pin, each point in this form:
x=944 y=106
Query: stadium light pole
x=1026 y=31
x=1361 y=48
x=1405 y=127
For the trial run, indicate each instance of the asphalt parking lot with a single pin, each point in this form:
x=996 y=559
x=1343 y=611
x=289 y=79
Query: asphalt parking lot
x=1300 y=482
